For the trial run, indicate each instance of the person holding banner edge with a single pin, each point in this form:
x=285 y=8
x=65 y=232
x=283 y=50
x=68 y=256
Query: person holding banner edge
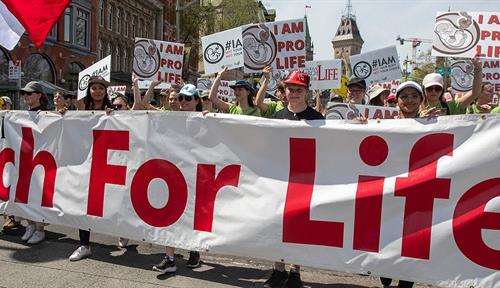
x=296 y=88
x=244 y=93
x=96 y=99
x=268 y=109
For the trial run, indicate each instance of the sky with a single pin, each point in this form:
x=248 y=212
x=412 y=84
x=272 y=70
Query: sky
x=379 y=21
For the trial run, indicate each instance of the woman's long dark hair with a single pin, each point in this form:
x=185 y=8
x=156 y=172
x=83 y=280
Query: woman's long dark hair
x=89 y=102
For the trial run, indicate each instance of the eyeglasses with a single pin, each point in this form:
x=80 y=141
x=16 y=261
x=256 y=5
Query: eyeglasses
x=27 y=93
x=434 y=88
x=392 y=102
x=185 y=97
x=204 y=98
x=356 y=91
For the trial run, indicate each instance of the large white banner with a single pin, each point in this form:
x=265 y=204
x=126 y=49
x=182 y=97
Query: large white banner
x=380 y=65
x=101 y=68
x=223 y=49
x=465 y=34
x=158 y=60
x=335 y=111
x=409 y=199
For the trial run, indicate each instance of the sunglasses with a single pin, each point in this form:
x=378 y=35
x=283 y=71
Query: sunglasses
x=392 y=101
x=27 y=93
x=434 y=88
x=187 y=98
x=204 y=98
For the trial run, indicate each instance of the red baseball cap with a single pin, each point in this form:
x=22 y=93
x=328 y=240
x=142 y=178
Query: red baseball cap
x=298 y=78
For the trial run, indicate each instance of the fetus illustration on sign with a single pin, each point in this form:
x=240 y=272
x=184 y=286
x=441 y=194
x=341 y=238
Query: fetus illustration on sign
x=462 y=76
x=146 y=58
x=456 y=33
x=259 y=46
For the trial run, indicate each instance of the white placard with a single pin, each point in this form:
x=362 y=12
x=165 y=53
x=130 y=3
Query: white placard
x=223 y=49
x=158 y=60
x=380 y=65
x=325 y=74
x=335 y=111
x=467 y=34
x=101 y=68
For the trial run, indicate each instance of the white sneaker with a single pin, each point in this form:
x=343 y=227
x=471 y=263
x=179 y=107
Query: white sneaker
x=37 y=237
x=80 y=253
x=122 y=242
x=30 y=229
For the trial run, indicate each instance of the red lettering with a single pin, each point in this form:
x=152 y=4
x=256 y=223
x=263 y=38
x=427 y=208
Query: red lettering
x=480 y=19
x=298 y=27
x=470 y=219
x=285 y=29
x=420 y=188
x=485 y=34
x=27 y=164
x=102 y=173
x=493 y=20
x=6 y=156
x=297 y=224
x=177 y=193
x=207 y=186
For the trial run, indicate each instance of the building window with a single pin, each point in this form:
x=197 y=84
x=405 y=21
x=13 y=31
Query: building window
x=82 y=28
x=101 y=13
x=53 y=33
x=110 y=17
x=68 y=24
x=127 y=25
x=71 y=76
x=118 y=59
x=148 y=27
x=124 y=59
x=38 y=67
x=119 y=20
x=100 y=50
x=141 y=25
x=134 y=27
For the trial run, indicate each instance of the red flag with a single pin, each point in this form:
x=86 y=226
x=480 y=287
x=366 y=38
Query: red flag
x=37 y=16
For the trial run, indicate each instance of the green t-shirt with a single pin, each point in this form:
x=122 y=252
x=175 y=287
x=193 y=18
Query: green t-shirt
x=272 y=107
x=162 y=108
x=472 y=109
x=252 y=111
x=453 y=107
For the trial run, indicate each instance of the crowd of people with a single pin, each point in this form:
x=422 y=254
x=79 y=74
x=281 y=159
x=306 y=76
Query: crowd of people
x=290 y=102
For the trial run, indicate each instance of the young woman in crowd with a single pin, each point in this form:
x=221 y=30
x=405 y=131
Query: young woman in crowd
x=244 y=93
x=59 y=102
x=377 y=95
x=96 y=99
x=36 y=100
x=267 y=109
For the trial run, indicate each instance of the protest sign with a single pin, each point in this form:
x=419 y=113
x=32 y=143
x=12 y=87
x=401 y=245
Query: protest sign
x=392 y=200
x=101 y=68
x=350 y=111
x=144 y=85
x=280 y=44
x=223 y=49
x=117 y=89
x=392 y=86
x=204 y=83
x=158 y=60
x=380 y=65
x=462 y=75
x=324 y=74
x=342 y=91
x=225 y=92
x=465 y=34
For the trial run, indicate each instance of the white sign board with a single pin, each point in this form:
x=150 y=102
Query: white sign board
x=324 y=74
x=144 y=85
x=350 y=111
x=380 y=65
x=15 y=70
x=462 y=75
x=223 y=49
x=225 y=92
x=280 y=44
x=117 y=89
x=467 y=34
x=158 y=60
x=101 y=68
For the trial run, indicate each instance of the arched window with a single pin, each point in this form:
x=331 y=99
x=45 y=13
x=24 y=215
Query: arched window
x=124 y=60
x=101 y=13
x=111 y=12
x=127 y=25
x=141 y=25
x=4 y=65
x=119 y=20
x=38 y=67
x=134 y=27
x=70 y=76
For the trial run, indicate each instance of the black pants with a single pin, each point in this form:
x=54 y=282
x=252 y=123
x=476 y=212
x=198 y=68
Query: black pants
x=84 y=237
x=402 y=283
